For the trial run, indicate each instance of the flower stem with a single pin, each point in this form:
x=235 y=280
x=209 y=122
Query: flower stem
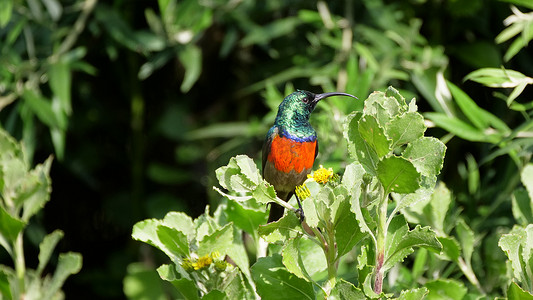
x=380 y=243
x=330 y=252
x=20 y=264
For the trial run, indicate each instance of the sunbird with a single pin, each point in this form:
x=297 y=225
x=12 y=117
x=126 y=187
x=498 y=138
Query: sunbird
x=291 y=146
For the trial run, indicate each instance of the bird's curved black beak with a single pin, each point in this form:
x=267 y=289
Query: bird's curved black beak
x=319 y=97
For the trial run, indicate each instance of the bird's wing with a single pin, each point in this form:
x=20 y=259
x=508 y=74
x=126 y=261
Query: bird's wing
x=266 y=146
x=316 y=148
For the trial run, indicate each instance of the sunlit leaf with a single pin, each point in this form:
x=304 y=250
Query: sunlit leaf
x=398 y=175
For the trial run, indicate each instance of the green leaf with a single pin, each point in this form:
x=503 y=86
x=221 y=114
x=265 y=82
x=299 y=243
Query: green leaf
x=5 y=287
x=249 y=169
x=524 y=3
x=292 y=259
x=43 y=109
x=347 y=233
x=383 y=107
x=445 y=289
x=461 y=128
x=264 y=194
x=312 y=256
x=514 y=292
x=180 y=221
x=398 y=175
x=60 y=84
x=142 y=282
x=345 y=290
x=413 y=294
x=472 y=111
x=518 y=245
x=400 y=241
x=450 y=248
x=6 y=9
x=466 y=239
x=10 y=226
x=522 y=207
x=47 y=247
x=175 y=241
x=311 y=214
x=405 y=128
x=35 y=199
x=68 y=264
x=273 y=281
x=247 y=219
x=146 y=232
x=357 y=147
x=426 y=154
x=440 y=202
x=374 y=135
x=237 y=253
x=191 y=59
x=281 y=230
x=58 y=140
x=527 y=179
x=220 y=240
x=185 y=286
x=262 y=35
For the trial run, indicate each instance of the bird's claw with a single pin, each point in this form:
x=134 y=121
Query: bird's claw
x=300 y=213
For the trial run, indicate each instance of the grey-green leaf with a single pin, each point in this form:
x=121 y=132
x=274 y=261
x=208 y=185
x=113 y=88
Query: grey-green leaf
x=47 y=247
x=426 y=154
x=68 y=264
x=405 y=128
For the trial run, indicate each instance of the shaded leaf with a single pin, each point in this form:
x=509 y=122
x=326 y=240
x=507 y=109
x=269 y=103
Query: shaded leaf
x=273 y=281
x=185 y=286
x=191 y=59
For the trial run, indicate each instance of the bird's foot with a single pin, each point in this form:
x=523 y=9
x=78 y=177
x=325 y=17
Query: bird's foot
x=300 y=213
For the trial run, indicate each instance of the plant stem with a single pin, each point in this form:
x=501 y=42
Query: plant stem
x=330 y=251
x=20 y=264
x=381 y=236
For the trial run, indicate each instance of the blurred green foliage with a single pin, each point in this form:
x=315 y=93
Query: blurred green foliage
x=141 y=101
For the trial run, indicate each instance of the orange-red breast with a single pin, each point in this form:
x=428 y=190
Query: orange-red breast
x=291 y=146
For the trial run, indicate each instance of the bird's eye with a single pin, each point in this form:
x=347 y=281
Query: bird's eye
x=305 y=99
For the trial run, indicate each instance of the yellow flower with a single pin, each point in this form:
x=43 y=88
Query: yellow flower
x=202 y=262
x=302 y=191
x=322 y=175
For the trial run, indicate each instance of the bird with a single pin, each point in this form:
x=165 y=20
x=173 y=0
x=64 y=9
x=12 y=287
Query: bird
x=291 y=146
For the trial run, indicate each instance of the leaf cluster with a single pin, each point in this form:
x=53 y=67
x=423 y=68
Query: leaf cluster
x=23 y=193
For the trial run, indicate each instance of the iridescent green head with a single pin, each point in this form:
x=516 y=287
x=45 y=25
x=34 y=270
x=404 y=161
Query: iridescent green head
x=298 y=106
